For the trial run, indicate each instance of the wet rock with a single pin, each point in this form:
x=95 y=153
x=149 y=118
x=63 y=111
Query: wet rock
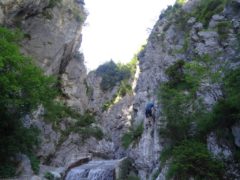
x=236 y=134
x=36 y=178
x=24 y=168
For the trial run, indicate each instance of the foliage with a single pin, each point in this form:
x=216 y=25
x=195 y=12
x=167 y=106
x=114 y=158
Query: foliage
x=49 y=176
x=192 y=159
x=56 y=111
x=133 y=135
x=132 y=65
x=126 y=169
x=89 y=89
x=53 y=3
x=226 y=111
x=23 y=88
x=186 y=45
x=175 y=73
x=188 y=120
x=47 y=14
x=237 y=155
x=170 y=11
x=34 y=163
x=181 y=106
x=7 y=169
x=165 y=155
x=156 y=174
x=177 y=16
x=128 y=69
x=181 y=2
x=223 y=29
x=127 y=139
x=112 y=73
x=206 y=9
x=82 y=125
x=109 y=103
x=90 y=132
x=125 y=88
x=79 y=15
x=132 y=177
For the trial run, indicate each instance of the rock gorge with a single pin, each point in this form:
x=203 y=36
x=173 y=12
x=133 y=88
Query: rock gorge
x=189 y=51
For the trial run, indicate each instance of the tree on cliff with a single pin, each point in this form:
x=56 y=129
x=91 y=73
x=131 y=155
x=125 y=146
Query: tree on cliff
x=23 y=87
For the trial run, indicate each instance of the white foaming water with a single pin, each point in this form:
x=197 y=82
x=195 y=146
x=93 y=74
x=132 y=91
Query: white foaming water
x=94 y=170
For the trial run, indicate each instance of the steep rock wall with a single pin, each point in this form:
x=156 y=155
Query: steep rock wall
x=52 y=38
x=166 y=45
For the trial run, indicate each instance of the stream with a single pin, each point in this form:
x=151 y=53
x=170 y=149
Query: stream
x=94 y=170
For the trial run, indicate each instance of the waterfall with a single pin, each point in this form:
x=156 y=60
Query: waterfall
x=94 y=170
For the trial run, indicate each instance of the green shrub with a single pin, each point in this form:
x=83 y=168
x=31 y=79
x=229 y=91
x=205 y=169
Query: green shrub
x=124 y=88
x=56 y=111
x=85 y=119
x=127 y=170
x=112 y=74
x=82 y=126
x=49 y=176
x=226 y=111
x=181 y=2
x=127 y=139
x=137 y=132
x=90 y=132
x=206 y=9
x=223 y=29
x=78 y=14
x=156 y=174
x=175 y=73
x=34 y=163
x=109 y=103
x=133 y=135
x=47 y=14
x=181 y=106
x=166 y=153
x=192 y=159
x=171 y=11
x=7 y=169
x=23 y=88
x=228 y=108
x=89 y=89
x=187 y=117
x=237 y=155
x=53 y=3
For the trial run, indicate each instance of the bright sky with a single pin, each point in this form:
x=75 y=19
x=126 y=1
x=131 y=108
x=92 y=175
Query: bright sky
x=116 y=29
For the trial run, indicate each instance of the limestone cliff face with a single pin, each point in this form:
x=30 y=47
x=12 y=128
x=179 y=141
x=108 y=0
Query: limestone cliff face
x=164 y=47
x=53 y=32
x=172 y=39
x=53 y=37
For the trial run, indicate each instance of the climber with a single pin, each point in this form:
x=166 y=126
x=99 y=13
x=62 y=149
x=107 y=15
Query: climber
x=149 y=111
